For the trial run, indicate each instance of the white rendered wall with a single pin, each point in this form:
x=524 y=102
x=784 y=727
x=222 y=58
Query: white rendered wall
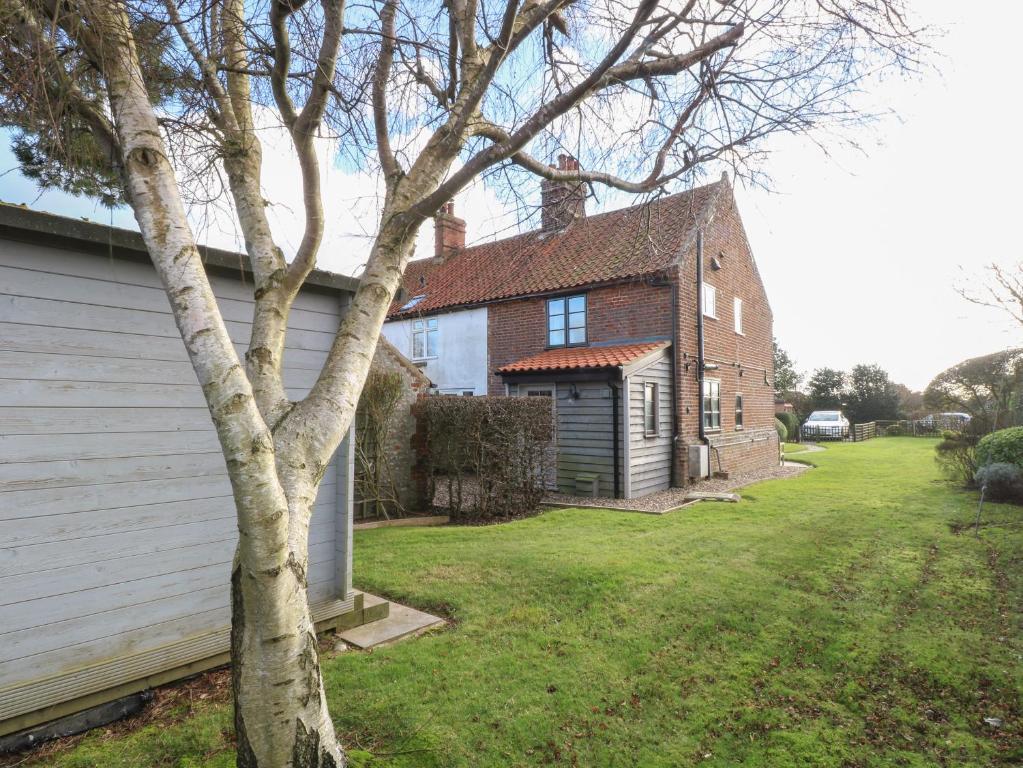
x=461 y=361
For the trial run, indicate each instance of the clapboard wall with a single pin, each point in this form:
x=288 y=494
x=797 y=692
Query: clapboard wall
x=586 y=434
x=649 y=456
x=117 y=525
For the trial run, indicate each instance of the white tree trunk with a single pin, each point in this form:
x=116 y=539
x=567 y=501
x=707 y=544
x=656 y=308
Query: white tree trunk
x=281 y=712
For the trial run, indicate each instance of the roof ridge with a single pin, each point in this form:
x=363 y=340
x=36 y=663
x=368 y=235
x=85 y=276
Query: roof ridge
x=587 y=218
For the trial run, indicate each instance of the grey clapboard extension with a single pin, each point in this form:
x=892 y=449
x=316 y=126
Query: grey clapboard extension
x=650 y=455
x=117 y=526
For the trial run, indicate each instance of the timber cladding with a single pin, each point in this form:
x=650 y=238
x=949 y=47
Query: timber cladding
x=117 y=521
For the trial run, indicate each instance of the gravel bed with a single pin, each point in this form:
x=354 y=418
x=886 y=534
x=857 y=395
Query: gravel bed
x=662 y=501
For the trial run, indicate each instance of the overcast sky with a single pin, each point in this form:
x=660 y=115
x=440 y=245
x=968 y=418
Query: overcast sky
x=861 y=251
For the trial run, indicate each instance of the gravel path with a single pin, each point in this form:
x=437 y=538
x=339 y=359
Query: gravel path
x=663 y=501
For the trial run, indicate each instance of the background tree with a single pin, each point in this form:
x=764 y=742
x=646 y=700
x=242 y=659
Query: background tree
x=871 y=395
x=911 y=402
x=826 y=389
x=160 y=103
x=786 y=378
x=989 y=388
x=1003 y=289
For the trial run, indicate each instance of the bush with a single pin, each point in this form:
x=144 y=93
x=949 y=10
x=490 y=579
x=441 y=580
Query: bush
x=895 y=430
x=957 y=456
x=791 y=422
x=1003 y=447
x=783 y=431
x=1001 y=481
x=492 y=452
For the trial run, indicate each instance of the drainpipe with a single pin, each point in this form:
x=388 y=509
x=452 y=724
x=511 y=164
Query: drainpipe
x=616 y=459
x=700 y=362
x=673 y=480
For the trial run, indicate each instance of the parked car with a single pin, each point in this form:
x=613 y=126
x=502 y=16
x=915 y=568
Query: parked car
x=938 y=421
x=825 y=425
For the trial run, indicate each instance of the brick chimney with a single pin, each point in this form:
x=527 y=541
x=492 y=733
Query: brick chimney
x=563 y=201
x=448 y=232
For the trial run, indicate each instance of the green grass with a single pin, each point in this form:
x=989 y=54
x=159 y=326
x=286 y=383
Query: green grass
x=793 y=448
x=834 y=619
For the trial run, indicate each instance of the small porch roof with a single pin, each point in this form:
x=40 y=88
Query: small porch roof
x=573 y=359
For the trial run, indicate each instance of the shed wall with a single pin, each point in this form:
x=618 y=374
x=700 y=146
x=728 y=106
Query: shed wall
x=117 y=521
x=650 y=456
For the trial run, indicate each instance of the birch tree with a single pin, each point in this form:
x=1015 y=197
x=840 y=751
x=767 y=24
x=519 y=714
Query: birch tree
x=159 y=104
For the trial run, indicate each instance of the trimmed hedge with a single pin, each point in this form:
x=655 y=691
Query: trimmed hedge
x=1004 y=447
x=791 y=422
x=492 y=453
x=1004 y=482
x=783 y=431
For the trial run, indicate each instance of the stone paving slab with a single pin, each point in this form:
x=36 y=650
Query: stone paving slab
x=401 y=622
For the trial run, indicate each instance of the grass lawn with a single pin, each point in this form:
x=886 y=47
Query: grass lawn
x=793 y=448
x=834 y=619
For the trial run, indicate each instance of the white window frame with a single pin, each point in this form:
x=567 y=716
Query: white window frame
x=740 y=411
x=737 y=310
x=426 y=329
x=654 y=405
x=711 y=385
x=710 y=301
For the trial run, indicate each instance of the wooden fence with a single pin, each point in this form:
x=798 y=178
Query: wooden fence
x=861 y=432
x=856 y=433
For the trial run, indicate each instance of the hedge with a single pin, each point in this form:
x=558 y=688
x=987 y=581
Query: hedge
x=493 y=453
x=791 y=422
x=1004 y=447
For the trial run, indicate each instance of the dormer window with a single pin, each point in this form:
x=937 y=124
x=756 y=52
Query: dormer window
x=566 y=321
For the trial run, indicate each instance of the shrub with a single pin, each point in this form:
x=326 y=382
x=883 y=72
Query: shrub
x=1002 y=481
x=895 y=430
x=957 y=456
x=492 y=452
x=783 y=431
x=791 y=422
x=1004 y=446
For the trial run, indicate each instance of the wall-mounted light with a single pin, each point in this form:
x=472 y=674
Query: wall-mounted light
x=715 y=264
x=573 y=392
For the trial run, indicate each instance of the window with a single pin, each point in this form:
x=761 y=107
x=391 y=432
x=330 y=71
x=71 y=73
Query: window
x=412 y=302
x=566 y=321
x=711 y=404
x=710 y=300
x=424 y=338
x=650 y=409
x=738 y=315
x=738 y=411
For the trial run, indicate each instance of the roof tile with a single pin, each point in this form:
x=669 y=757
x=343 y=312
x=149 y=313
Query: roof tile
x=574 y=358
x=631 y=242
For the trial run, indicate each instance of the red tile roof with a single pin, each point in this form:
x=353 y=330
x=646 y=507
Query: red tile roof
x=574 y=358
x=631 y=242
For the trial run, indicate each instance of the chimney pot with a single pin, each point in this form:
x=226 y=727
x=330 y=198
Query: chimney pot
x=448 y=232
x=562 y=201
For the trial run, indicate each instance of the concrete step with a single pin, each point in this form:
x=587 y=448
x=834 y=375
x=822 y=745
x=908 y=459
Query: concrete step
x=402 y=622
x=367 y=608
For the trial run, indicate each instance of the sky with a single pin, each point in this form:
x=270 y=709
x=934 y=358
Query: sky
x=861 y=250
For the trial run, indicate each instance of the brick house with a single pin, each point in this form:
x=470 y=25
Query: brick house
x=602 y=313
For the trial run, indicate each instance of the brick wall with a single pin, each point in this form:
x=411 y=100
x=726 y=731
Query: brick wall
x=742 y=359
x=638 y=310
x=628 y=311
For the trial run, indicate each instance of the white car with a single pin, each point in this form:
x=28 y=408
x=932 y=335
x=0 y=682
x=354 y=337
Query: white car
x=825 y=425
